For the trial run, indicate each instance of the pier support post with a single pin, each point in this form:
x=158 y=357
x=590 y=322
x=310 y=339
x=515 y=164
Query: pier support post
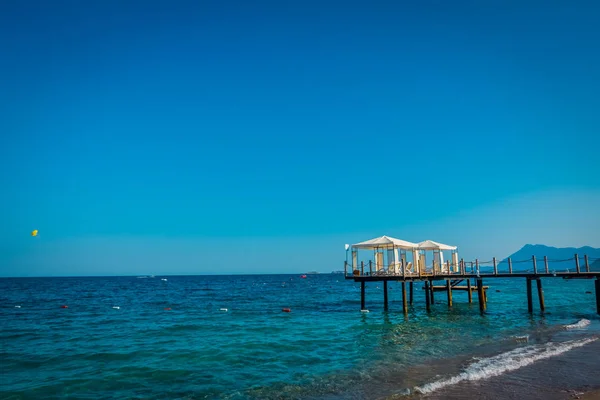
x=427 y=303
x=362 y=295
x=540 y=294
x=577 y=263
x=534 y=265
x=587 y=263
x=597 y=285
x=480 y=295
x=411 y=292
x=449 y=288
x=385 y=295
x=404 y=305
x=495 y=266
x=546 y=264
x=431 y=292
x=529 y=297
x=470 y=294
x=509 y=265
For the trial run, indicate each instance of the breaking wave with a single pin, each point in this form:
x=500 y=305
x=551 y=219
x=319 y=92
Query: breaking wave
x=505 y=362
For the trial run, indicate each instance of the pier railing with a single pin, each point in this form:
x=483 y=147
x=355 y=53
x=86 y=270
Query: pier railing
x=537 y=266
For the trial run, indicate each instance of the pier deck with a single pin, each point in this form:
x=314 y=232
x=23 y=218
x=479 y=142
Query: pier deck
x=465 y=274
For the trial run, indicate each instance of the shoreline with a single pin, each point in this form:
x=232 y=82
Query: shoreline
x=570 y=375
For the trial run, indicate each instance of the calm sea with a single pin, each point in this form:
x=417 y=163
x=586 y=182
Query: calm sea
x=171 y=338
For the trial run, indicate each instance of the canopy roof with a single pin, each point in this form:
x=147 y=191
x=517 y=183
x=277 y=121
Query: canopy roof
x=385 y=241
x=431 y=245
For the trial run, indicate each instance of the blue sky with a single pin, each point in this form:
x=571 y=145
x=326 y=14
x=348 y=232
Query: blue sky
x=215 y=137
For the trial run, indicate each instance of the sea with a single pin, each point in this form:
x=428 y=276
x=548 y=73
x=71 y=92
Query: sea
x=229 y=337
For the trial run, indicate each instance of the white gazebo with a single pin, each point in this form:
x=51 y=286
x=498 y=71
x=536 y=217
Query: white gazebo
x=438 y=256
x=392 y=245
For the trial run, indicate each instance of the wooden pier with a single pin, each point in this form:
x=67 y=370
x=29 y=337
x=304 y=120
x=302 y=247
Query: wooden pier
x=469 y=276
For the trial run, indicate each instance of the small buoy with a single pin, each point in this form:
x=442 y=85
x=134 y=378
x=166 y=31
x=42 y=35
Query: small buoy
x=286 y=310
x=117 y=307
x=17 y=306
x=64 y=306
x=588 y=292
x=223 y=309
x=167 y=308
x=303 y=276
x=364 y=311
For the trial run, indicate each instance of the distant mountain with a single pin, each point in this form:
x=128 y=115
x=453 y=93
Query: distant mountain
x=559 y=258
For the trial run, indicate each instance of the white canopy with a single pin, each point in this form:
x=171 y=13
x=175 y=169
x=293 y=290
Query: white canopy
x=431 y=245
x=385 y=242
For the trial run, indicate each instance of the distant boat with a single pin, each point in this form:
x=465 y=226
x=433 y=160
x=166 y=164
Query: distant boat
x=312 y=272
x=337 y=272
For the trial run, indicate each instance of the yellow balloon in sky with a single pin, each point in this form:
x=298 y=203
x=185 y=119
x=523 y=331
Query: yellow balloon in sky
x=34 y=233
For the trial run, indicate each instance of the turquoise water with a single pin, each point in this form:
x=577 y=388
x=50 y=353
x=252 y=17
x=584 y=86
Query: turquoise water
x=324 y=348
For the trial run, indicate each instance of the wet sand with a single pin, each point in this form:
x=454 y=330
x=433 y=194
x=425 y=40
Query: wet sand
x=571 y=375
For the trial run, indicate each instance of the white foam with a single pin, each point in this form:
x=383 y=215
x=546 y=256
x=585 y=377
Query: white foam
x=581 y=324
x=505 y=362
x=524 y=338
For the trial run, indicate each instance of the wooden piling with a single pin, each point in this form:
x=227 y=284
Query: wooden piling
x=462 y=266
x=385 y=295
x=362 y=295
x=404 y=305
x=345 y=268
x=480 y=295
x=469 y=290
x=362 y=268
x=411 y=292
x=495 y=266
x=534 y=265
x=427 y=303
x=509 y=265
x=449 y=289
x=546 y=264
x=529 y=297
x=577 y=263
x=471 y=266
x=540 y=294
x=370 y=268
x=431 y=292
x=587 y=263
x=597 y=285
x=477 y=266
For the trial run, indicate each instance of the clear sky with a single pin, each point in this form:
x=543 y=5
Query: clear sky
x=260 y=136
